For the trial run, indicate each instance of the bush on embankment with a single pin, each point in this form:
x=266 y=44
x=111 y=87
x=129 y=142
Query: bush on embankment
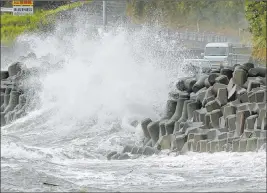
x=12 y=26
x=256 y=16
x=232 y=17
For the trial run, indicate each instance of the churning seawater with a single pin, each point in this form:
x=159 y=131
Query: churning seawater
x=92 y=86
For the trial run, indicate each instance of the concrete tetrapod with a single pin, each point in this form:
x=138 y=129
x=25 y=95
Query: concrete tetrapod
x=144 y=124
x=200 y=83
x=180 y=85
x=241 y=116
x=170 y=109
x=222 y=96
x=6 y=98
x=15 y=68
x=189 y=83
x=3 y=120
x=207 y=83
x=258 y=71
x=170 y=124
x=208 y=94
x=4 y=75
x=222 y=79
x=214 y=117
x=184 y=115
x=247 y=66
x=179 y=109
x=191 y=107
x=212 y=78
x=253 y=84
x=240 y=76
x=227 y=72
x=242 y=95
x=13 y=101
x=109 y=155
x=2 y=99
x=212 y=105
x=153 y=130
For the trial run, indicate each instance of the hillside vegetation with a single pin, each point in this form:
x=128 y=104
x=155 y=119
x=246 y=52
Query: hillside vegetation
x=233 y=17
x=12 y=26
x=256 y=16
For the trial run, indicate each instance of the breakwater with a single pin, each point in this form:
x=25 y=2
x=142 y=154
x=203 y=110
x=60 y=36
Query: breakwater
x=221 y=110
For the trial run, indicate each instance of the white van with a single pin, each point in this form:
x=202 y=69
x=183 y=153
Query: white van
x=218 y=53
x=222 y=54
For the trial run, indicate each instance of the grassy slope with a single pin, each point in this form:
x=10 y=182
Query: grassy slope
x=12 y=26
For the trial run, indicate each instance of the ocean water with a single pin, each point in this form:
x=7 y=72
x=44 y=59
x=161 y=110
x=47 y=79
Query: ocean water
x=93 y=83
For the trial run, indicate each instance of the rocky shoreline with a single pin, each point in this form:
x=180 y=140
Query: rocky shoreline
x=221 y=110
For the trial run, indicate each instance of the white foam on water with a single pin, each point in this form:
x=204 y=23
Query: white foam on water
x=98 y=83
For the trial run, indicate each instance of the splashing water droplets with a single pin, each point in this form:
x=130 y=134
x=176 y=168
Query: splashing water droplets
x=106 y=78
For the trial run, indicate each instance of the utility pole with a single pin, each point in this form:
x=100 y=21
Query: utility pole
x=104 y=13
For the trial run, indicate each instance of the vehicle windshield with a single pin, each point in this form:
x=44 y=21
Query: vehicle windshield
x=215 y=51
